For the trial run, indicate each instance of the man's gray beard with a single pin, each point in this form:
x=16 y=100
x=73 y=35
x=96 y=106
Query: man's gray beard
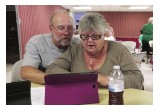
x=64 y=45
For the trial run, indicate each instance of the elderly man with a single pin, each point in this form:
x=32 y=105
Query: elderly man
x=44 y=49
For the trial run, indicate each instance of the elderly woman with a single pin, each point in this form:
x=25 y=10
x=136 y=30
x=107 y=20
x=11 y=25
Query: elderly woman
x=97 y=54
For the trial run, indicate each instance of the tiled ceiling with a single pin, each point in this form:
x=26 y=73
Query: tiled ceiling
x=111 y=8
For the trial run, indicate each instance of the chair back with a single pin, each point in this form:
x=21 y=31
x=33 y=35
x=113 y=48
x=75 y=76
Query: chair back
x=16 y=72
x=138 y=57
x=130 y=45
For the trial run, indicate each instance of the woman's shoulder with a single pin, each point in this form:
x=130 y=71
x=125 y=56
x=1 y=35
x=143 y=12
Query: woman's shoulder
x=115 y=45
x=76 y=48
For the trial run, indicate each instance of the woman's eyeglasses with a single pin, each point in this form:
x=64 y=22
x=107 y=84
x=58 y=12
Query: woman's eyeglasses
x=94 y=36
x=62 y=29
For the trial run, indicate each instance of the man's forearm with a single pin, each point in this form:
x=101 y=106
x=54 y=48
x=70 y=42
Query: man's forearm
x=32 y=74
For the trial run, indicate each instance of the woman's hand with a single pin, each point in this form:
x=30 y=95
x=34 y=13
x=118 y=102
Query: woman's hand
x=103 y=80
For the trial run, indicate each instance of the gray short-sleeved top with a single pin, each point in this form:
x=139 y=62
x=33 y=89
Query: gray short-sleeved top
x=40 y=50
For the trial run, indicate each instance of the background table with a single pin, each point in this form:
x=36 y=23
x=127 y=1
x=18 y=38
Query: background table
x=131 y=96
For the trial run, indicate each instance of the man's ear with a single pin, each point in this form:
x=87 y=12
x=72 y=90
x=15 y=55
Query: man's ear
x=50 y=27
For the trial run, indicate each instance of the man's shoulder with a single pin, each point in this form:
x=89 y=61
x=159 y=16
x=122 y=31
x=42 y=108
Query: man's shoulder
x=40 y=36
x=113 y=45
x=39 y=39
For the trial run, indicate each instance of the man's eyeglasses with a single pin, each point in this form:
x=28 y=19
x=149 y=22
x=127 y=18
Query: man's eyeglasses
x=94 y=36
x=62 y=29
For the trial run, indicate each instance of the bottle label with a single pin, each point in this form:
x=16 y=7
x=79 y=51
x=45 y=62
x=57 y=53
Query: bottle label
x=116 y=86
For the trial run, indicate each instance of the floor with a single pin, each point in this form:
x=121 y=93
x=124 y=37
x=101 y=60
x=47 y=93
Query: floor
x=145 y=68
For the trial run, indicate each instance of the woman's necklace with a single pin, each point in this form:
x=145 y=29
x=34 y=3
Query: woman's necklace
x=92 y=59
x=94 y=62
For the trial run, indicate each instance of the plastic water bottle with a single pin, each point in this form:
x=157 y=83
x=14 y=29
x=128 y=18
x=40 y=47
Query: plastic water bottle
x=116 y=86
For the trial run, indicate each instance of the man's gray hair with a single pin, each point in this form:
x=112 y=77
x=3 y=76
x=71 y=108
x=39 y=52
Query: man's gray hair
x=92 y=21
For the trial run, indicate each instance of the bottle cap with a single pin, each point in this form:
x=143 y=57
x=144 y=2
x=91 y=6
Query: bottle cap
x=116 y=67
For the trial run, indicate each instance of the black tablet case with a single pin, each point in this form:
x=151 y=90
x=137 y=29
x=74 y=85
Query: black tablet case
x=18 y=93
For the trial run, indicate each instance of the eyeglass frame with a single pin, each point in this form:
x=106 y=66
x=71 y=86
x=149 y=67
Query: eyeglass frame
x=92 y=37
x=63 y=31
